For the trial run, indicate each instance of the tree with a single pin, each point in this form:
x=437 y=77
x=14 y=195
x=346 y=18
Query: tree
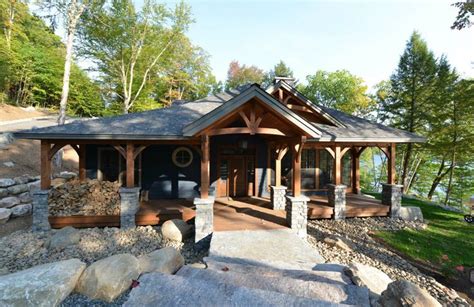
x=340 y=90
x=279 y=70
x=238 y=75
x=463 y=19
x=128 y=47
x=408 y=105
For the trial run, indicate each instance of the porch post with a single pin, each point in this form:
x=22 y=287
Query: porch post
x=45 y=165
x=278 y=192
x=205 y=167
x=356 y=152
x=297 y=148
x=82 y=162
x=337 y=165
x=130 y=166
x=391 y=164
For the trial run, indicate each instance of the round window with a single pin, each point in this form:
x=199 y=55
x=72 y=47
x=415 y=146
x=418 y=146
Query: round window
x=182 y=157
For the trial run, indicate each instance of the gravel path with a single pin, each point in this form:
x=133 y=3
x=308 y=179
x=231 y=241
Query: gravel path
x=366 y=250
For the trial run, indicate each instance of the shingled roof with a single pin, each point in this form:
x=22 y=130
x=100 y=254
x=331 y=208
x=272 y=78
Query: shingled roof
x=168 y=123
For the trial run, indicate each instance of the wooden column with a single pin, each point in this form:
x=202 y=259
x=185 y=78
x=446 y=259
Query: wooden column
x=205 y=167
x=317 y=170
x=130 y=166
x=297 y=149
x=337 y=165
x=82 y=162
x=391 y=164
x=45 y=165
x=356 y=170
x=281 y=150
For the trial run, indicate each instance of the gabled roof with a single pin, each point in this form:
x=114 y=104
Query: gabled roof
x=254 y=91
x=313 y=106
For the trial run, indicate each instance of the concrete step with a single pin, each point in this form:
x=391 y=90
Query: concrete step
x=157 y=289
x=326 y=291
x=267 y=271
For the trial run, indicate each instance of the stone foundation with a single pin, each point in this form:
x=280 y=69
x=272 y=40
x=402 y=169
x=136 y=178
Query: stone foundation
x=297 y=214
x=204 y=220
x=40 y=211
x=392 y=196
x=337 y=199
x=129 y=204
x=278 y=197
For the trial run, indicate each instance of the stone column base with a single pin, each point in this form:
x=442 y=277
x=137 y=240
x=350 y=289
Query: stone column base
x=40 y=211
x=277 y=196
x=129 y=204
x=337 y=199
x=392 y=196
x=204 y=220
x=297 y=214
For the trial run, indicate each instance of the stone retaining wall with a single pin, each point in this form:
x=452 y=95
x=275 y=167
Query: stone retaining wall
x=16 y=196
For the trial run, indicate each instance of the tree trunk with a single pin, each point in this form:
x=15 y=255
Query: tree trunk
x=437 y=180
x=406 y=162
x=66 y=76
x=450 y=182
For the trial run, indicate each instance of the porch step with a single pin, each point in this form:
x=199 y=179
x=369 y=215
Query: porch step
x=266 y=271
x=326 y=290
x=157 y=289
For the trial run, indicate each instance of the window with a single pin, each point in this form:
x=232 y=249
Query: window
x=182 y=157
x=308 y=168
x=326 y=165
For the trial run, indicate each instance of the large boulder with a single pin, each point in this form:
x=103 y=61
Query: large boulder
x=404 y=293
x=6 y=182
x=107 y=278
x=64 y=237
x=366 y=276
x=9 y=202
x=176 y=230
x=18 y=189
x=411 y=214
x=21 y=210
x=166 y=260
x=5 y=215
x=44 y=285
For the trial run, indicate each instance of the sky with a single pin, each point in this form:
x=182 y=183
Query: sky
x=364 y=37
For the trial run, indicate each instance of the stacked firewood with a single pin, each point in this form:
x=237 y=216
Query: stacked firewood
x=91 y=197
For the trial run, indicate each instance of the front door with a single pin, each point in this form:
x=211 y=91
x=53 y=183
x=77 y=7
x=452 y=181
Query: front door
x=237 y=177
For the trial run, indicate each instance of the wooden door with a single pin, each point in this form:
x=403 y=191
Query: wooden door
x=237 y=177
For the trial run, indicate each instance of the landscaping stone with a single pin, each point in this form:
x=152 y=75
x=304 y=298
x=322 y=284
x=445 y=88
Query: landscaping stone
x=44 y=285
x=3 y=192
x=367 y=276
x=18 y=189
x=176 y=230
x=166 y=260
x=64 y=237
x=67 y=175
x=106 y=279
x=21 y=210
x=5 y=215
x=9 y=202
x=338 y=242
x=6 y=182
x=22 y=179
x=411 y=214
x=404 y=293
x=9 y=164
x=25 y=198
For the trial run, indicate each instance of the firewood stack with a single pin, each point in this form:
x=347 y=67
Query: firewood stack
x=91 y=197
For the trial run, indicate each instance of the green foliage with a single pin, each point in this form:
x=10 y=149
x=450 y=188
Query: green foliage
x=238 y=75
x=463 y=19
x=279 y=70
x=339 y=90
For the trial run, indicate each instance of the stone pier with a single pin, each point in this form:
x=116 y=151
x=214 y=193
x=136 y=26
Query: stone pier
x=204 y=220
x=392 y=196
x=129 y=205
x=337 y=199
x=40 y=210
x=297 y=214
x=278 y=197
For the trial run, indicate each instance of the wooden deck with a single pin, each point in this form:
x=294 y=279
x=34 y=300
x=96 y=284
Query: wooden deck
x=356 y=206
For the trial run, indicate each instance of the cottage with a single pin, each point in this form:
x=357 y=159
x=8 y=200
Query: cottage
x=229 y=160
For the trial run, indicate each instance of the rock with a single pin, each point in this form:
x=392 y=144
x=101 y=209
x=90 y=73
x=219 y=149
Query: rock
x=166 y=260
x=44 y=285
x=21 y=210
x=411 y=214
x=6 y=182
x=34 y=186
x=106 y=279
x=337 y=241
x=176 y=230
x=9 y=202
x=9 y=164
x=22 y=179
x=64 y=237
x=4 y=215
x=3 y=192
x=25 y=198
x=67 y=175
x=405 y=293
x=17 y=189
x=366 y=276
x=4 y=271
x=198 y=265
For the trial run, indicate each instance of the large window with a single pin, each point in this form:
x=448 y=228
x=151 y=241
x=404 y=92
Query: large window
x=326 y=162
x=346 y=169
x=308 y=169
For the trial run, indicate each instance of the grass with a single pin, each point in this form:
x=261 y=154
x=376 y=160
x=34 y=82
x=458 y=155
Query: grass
x=447 y=242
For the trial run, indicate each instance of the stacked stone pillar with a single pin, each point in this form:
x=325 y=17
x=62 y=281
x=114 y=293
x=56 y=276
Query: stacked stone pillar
x=337 y=200
x=129 y=204
x=40 y=210
x=392 y=196
x=204 y=220
x=278 y=197
x=297 y=214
